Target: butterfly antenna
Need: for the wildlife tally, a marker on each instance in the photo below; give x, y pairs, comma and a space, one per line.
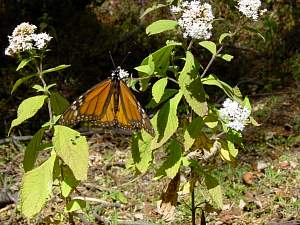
125, 58
112, 60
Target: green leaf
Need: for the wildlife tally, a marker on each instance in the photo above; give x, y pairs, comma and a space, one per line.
224, 35
60, 67
160, 60
255, 31
141, 151
147, 69
214, 189
165, 121
168, 93
192, 132
20, 81
210, 46
247, 103
27, 109
75, 204
55, 119
160, 26
58, 103
233, 93
171, 166
226, 57
158, 89
32, 150
152, 8
38, 88
23, 63
36, 187
232, 150
119, 196
72, 149
191, 86
69, 182
211, 121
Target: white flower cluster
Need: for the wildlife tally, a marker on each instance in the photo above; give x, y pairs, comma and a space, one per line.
234, 115
23, 39
120, 73
250, 8
195, 19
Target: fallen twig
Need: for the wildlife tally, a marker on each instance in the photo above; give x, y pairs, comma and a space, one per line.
100, 201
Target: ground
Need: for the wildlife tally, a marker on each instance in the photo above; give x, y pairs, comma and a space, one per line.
263, 188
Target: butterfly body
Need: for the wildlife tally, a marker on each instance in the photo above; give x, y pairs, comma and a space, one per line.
108, 104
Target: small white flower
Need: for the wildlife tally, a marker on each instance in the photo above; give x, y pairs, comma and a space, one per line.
234, 115
250, 8
195, 19
24, 29
120, 73
41, 40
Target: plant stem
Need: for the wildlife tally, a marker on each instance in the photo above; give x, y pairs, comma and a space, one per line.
211, 61
193, 206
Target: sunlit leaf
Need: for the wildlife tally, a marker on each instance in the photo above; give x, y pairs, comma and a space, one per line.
226, 57
223, 36
69, 182
210, 46
168, 93
192, 132
214, 189
158, 89
23, 63
57, 68
20, 81
58, 103
160, 26
75, 204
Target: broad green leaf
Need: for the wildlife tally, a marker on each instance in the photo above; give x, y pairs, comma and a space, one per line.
192, 132
60, 67
211, 121
225, 155
23, 63
119, 196
69, 182
36, 187
191, 86
141, 151
226, 57
27, 109
160, 60
171, 166
32, 150
38, 88
224, 35
168, 93
20, 81
147, 69
160, 26
75, 204
247, 103
58, 103
165, 121
152, 8
214, 189
158, 89
233, 93
210, 46
72, 149
232, 150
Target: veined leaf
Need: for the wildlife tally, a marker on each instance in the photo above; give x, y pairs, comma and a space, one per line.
23, 63
32, 150
58, 103
214, 189
171, 166
141, 151
165, 121
36, 187
191, 86
69, 182
60, 67
20, 81
210, 46
75, 204
72, 149
192, 132
160, 26
27, 109
158, 89
152, 8
168, 93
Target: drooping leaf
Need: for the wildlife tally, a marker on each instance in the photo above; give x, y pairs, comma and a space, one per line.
165, 121
32, 150
192, 132
255, 31
210, 46
72, 148
160, 26
58, 103
152, 8
226, 57
36, 187
158, 89
171, 166
141, 151
23, 63
75, 204
168, 93
27, 109
223, 36
57, 68
191, 86
20, 81
69, 182
214, 189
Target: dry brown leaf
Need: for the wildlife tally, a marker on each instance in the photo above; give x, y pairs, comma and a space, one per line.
248, 178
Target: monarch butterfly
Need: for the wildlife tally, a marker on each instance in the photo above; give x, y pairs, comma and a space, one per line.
109, 104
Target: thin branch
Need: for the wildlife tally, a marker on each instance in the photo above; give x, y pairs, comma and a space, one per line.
100, 201
211, 61
15, 138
